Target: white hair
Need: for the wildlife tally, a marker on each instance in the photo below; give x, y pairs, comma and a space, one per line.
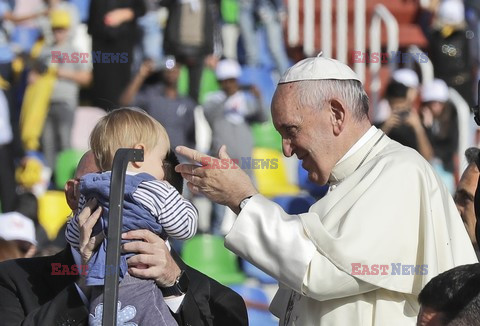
314, 93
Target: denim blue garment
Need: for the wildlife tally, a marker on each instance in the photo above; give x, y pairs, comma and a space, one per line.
135, 217
268, 16
152, 37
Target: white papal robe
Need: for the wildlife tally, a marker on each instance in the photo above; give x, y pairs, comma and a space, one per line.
386, 206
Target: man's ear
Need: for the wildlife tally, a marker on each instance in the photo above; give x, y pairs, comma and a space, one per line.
70, 193
138, 164
337, 116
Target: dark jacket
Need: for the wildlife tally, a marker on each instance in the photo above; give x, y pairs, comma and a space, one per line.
31, 295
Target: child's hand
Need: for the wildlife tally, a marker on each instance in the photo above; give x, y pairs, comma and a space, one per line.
87, 218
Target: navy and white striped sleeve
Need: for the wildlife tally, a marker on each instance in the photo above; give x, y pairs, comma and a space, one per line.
72, 231
177, 216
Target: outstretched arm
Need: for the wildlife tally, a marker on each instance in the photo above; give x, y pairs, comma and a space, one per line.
226, 186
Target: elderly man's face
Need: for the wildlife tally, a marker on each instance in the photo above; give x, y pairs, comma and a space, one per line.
464, 199
306, 132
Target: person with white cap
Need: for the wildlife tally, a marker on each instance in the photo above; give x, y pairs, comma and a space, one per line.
409, 78
19, 230
362, 253
440, 121
405, 76
404, 124
230, 112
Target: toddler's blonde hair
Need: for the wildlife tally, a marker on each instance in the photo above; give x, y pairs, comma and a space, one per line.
124, 128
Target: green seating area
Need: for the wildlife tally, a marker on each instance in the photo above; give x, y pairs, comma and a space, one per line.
65, 167
207, 253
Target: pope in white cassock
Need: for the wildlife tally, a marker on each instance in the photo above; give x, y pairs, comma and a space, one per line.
362, 253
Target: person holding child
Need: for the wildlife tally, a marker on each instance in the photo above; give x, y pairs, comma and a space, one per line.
150, 203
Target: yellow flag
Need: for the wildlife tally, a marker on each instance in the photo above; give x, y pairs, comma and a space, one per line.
35, 107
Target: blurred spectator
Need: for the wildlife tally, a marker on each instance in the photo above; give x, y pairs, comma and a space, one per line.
9, 250
53, 5
447, 295
10, 148
71, 75
113, 27
18, 229
28, 206
439, 118
404, 124
24, 15
152, 34
449, 48
407, 77
270, 14
82, 9
465, 194
230, 112
155, 91
6, 51
189, 36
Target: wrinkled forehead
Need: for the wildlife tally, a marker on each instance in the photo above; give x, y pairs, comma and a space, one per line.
285, 106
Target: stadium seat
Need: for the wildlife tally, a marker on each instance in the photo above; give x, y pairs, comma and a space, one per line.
295, 204
208, 83
265, 135
273, 182
312, 188
257, 304
262, 78
66, 165
256, 273
229, 11
53, 212
207, 253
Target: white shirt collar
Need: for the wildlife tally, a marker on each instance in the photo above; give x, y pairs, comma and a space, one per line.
362, 141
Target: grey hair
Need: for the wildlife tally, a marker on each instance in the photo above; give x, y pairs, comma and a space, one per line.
472, 156
314, 93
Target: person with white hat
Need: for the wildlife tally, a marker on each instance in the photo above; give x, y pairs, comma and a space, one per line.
362, 253
440, 121
404, 124
230, 113
19, 230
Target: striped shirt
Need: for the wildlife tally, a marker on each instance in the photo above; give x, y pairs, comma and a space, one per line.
176, 215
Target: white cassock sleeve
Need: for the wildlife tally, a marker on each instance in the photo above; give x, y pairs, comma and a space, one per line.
276, 243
